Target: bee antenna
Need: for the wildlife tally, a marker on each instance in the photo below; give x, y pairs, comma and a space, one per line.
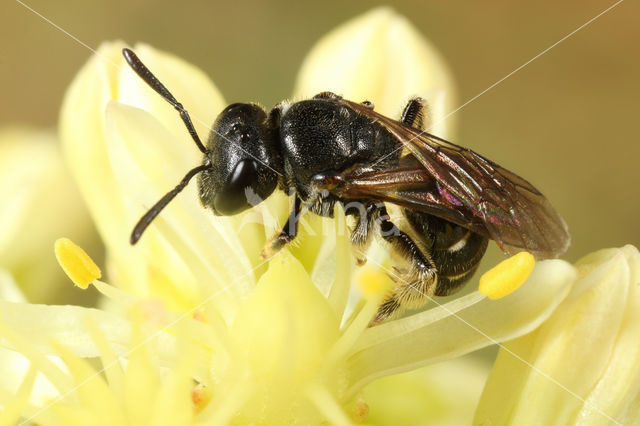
141, 69
148, 217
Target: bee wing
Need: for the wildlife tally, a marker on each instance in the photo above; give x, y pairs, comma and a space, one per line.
457, 184
407, 185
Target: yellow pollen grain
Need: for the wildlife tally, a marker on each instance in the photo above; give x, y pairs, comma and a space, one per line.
359, 410
372, 282
200, 396
506, 276
76, 263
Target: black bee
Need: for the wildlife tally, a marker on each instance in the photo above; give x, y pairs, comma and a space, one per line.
329, 150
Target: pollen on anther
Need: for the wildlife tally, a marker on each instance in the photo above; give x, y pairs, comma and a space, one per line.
200, 396
76, 263
373, 283
504, 278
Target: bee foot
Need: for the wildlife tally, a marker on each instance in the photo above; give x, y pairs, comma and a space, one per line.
272, 247
386, 310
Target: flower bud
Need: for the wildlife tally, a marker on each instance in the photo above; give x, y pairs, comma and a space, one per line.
382, 58
581, 366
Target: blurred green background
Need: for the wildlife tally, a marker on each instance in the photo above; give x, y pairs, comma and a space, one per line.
566, 122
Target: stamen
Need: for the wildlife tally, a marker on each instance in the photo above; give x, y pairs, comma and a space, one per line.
76, 263
506, 276
327, 404
374, 286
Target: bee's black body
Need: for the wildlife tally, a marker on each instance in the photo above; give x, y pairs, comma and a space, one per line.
328, 150
321, 137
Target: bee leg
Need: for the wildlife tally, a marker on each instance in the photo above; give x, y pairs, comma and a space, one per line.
288, 233
416, 114
415, 284
388, 308
365, 214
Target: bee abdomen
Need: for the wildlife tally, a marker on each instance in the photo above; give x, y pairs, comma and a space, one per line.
455, 251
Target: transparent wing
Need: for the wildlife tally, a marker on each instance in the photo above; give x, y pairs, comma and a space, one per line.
459, 185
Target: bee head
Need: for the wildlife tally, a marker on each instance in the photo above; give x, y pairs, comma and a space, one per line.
244, 160
241, 161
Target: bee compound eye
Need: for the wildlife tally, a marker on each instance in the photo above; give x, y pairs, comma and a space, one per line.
232, 199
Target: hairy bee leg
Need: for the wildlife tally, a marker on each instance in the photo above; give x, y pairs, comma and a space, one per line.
416, 114
288, 233
361, 234
415, 286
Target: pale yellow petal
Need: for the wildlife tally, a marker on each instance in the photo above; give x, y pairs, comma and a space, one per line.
11, 412
284, 294
14, 368
9, 290
282, 333
141, 379
92, 391
29, 352
380, 57
42, 324
460, 326
173, 405
208, 252
40, 202
39, 325
582, 366
125, 159
113, 369
82, 132
443, 394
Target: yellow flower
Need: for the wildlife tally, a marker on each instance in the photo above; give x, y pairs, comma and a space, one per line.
284, 358
36, 191
268, 344
59, 387
582, 366
443, 394
380, 57
126, 147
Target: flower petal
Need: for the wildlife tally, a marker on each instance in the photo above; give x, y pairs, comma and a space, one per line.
125, 159
441, 394
282, 335
11, 411
92, 390
34, 180
460, 326
207, 246
296, 310
42, 324
9, 290
382, 58
582, 365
